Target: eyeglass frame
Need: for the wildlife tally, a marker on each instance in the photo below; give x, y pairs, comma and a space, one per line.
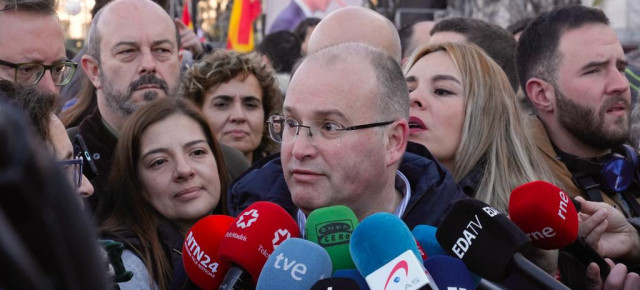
77, 175
15, 67
350, 128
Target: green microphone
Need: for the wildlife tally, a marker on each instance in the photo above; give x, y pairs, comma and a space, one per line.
331, 228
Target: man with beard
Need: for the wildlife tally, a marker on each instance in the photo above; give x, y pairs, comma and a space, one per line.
32, 49
132, 59
571, 67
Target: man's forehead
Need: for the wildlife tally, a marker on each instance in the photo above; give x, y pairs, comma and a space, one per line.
595, 40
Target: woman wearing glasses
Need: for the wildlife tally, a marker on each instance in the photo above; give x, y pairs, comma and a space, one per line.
237, 93
168, 173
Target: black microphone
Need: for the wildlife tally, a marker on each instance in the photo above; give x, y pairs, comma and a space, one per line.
489, 243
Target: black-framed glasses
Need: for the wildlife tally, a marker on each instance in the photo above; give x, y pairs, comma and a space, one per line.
73, 169
285, 129
31, 73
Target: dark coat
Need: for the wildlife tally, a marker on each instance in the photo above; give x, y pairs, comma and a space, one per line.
433, 189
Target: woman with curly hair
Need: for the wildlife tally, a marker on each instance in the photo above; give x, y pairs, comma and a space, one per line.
237, 93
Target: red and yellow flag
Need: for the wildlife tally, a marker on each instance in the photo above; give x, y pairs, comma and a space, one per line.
240, 34
186, 16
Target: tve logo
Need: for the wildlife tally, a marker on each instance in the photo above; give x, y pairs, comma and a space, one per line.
247, 218
403, 272
297, 269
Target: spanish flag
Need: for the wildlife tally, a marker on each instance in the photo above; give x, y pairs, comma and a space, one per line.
186, 16
240, 34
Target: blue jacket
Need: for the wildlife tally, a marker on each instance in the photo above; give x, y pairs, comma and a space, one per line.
433, 189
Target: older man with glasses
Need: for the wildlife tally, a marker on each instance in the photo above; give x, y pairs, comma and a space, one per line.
344, 131
32, 48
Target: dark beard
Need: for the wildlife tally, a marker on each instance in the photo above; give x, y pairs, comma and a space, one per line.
588, 127
119, 101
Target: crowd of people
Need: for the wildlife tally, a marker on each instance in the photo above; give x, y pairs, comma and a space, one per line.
348, 110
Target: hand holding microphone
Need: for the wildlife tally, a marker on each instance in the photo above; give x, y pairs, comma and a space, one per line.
547, 215
251, 239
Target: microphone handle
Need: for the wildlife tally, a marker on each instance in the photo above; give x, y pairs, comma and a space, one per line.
536, 274
237, 279
586, 254
485, 284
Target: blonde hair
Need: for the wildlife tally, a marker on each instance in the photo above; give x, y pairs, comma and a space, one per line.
492, 131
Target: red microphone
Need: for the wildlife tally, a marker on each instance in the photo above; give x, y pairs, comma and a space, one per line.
545, 213
200, 251
253, 236
548, 216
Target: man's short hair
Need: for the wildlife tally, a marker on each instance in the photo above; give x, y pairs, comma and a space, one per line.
283, 48
392, 92
48, 7
496, 41
519, 26
94, 37
301, 29
538, 55
37, 105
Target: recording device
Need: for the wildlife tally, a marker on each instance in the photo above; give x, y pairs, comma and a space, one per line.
295, 264
426, 237
386, 254
449, 273
354, 275
488, 243
200, 251
547, 215
251, 238
332, 227
336, 284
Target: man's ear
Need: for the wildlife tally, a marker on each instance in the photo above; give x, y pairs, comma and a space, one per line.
542, 94
396, 142
91, 68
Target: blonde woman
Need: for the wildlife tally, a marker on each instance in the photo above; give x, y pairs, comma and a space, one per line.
464, 110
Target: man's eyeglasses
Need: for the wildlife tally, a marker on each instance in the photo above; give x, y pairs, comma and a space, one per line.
73, 169
285, 129
31, 73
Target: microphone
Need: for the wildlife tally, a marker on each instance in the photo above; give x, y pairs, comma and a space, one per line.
386, 254
488, 243
295, 264
335, 284
449, 273
426, 237
331, 228
354, 275
555, 224
200, 251
251, 238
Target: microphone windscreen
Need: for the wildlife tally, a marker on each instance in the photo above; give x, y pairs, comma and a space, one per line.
386, 254
354, 275
380, 238
483, 238
449, 273
545, 213
335, 284
331, 228
200, 251
254, 234
295, 264
426, 237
